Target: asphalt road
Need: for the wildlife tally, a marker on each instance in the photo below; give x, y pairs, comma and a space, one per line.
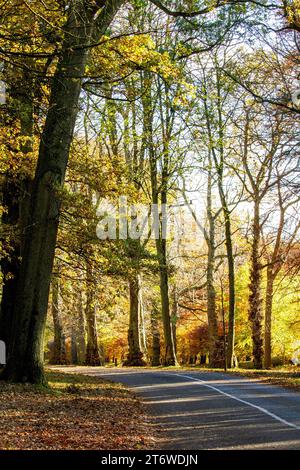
207, 410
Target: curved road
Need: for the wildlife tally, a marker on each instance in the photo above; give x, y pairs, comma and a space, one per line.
210, 410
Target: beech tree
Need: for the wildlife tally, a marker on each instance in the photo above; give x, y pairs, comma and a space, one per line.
215, 96
262, 151
85, 24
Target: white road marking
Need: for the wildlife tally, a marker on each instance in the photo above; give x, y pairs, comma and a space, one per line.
260, 408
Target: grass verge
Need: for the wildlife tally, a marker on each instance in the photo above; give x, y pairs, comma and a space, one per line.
288, 376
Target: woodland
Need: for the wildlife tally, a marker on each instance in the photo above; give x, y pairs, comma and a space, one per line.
178, 116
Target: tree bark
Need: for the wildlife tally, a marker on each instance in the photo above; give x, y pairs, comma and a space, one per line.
142, 326
268, 319
15, 200
137, 343
155, 353
272, 272
174, 318
219, 165
228, 236
231, 287
74, 346
92, 357
30, 307
80, 329
216, 358
255, 301
169, 357
231, 309
135, 354
10, 263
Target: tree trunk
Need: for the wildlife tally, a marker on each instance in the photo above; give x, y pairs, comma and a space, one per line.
228, 236
272, 272
30, 306
255, 301
231, 282
268, 319
93, 357
142, 326
216, 358
15, 200
135, 355
219, 165
174, 318
80, 329
155, 353
10, 263
74, 347
59, 346
169, 357
231, 275
215, 350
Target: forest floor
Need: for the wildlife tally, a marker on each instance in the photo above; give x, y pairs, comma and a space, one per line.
75, 412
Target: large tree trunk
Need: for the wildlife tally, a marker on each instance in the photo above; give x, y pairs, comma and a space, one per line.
255, 301
135, 354
30, 306
10, 263
15, 200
